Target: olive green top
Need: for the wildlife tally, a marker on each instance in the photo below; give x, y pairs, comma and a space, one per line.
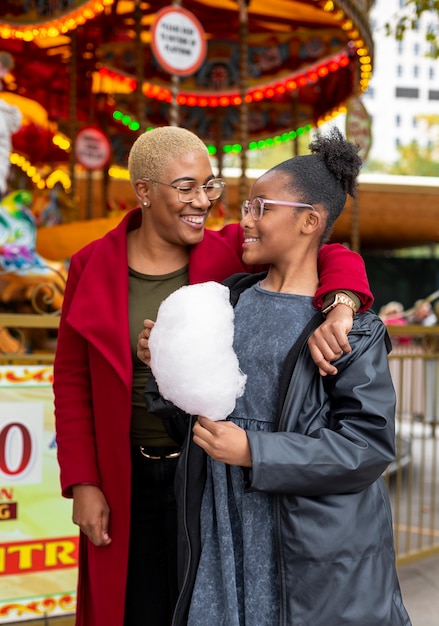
145, 296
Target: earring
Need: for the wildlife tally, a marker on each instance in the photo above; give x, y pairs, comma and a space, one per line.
146, 203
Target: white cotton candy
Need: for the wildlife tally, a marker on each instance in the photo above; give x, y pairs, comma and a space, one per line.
192, 355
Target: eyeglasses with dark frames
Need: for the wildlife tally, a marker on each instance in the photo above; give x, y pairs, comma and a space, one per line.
257, 206
188, 191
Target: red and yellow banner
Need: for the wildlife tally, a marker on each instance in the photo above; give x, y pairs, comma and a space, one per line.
38, 541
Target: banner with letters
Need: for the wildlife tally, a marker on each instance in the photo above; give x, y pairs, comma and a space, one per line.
38, 541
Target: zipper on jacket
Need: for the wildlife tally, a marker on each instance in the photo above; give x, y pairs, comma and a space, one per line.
278, 534
186, 533
280, 568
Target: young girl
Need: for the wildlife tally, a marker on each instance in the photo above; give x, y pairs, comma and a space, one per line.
287, 521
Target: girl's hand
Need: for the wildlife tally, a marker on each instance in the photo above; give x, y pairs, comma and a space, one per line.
223, 441
330, 340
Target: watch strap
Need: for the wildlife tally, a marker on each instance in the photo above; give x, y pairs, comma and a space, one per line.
340, 298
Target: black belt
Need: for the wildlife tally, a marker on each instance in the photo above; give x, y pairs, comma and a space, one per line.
159, 454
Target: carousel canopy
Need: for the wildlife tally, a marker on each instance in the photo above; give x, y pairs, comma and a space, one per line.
289, 63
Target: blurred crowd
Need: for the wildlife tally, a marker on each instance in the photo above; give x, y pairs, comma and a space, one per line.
423, 313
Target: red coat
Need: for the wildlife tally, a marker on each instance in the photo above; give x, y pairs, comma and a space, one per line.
92, 386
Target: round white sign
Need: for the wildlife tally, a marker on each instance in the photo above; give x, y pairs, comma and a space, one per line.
92, 148
178, 41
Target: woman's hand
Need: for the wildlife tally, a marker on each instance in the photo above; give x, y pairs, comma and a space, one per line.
330, 340
223, 441
91, 513
143, 353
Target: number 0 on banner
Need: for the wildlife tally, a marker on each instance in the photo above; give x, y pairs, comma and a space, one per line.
178, 41
21, 443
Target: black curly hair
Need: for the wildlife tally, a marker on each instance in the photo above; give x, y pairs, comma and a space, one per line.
326, 175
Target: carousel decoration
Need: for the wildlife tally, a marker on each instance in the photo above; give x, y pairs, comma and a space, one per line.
24, 274
289, 64
28, 282
268, 72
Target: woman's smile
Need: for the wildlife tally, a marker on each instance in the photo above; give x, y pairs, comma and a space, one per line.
249, 240
194, 221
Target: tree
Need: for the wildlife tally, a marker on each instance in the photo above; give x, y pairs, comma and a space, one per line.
409, 18
414, 159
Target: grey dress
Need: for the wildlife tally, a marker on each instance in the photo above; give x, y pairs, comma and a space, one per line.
237, 579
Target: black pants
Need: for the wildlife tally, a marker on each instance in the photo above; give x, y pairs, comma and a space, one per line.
151, 590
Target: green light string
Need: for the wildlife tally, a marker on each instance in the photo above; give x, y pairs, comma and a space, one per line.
133, 125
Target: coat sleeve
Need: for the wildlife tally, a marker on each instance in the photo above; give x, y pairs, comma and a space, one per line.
75, 440
343, 426
341, 269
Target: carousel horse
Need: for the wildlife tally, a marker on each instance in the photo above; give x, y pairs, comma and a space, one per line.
25, 276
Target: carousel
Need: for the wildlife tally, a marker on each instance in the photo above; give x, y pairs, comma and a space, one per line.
87, 76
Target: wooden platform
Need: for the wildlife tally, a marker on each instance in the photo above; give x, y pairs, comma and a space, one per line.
393, 212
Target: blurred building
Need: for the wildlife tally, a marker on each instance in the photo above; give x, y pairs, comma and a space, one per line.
404, 85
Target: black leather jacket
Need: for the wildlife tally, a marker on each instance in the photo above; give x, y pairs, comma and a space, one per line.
323, 465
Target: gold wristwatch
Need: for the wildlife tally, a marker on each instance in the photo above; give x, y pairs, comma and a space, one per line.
340, 298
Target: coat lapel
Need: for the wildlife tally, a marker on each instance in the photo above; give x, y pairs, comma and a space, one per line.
99, 310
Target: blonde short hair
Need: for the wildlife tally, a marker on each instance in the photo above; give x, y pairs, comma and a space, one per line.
156, 149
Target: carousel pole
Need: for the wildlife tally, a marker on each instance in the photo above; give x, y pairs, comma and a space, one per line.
295, 116
219, 148
140, 67
175, 86
243, 109
90, 197
72, 107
